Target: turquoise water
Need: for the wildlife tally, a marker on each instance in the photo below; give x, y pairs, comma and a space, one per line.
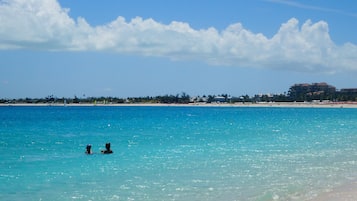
175, 153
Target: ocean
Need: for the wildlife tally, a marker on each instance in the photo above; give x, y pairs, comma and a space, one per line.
175, 153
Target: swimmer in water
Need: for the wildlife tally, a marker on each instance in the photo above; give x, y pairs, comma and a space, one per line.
107, 149
89, 149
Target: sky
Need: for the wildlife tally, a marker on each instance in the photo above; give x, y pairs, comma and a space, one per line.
126, 48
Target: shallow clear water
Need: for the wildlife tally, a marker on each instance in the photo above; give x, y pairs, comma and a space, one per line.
175, 153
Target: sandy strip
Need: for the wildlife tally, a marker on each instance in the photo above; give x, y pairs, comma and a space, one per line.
284, 104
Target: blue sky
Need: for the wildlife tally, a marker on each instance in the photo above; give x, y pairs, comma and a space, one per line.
129, 48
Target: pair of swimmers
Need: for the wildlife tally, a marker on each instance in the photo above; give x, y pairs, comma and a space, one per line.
106, 151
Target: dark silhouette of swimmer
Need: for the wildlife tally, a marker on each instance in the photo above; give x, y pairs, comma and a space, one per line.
89, 149
107, 149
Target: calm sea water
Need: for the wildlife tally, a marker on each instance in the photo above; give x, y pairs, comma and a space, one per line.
175, 153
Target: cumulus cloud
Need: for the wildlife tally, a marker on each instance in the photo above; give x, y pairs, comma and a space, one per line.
45, 25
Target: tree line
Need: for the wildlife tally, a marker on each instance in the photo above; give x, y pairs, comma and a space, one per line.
296, 93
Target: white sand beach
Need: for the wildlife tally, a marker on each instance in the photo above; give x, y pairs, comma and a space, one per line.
258, 104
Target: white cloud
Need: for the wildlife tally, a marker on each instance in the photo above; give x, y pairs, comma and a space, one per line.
34, 24
44, 24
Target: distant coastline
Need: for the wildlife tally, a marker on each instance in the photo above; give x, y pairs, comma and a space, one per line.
257, 104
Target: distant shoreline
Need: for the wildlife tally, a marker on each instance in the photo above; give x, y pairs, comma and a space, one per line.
259, 104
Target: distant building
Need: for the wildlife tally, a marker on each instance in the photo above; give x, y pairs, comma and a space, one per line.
349, 94
350, 90
314, 91
221, 99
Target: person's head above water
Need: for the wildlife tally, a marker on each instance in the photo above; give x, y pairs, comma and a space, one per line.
107, 146
89, 149
108, 150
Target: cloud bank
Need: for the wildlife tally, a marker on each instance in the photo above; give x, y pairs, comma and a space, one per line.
45, 25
